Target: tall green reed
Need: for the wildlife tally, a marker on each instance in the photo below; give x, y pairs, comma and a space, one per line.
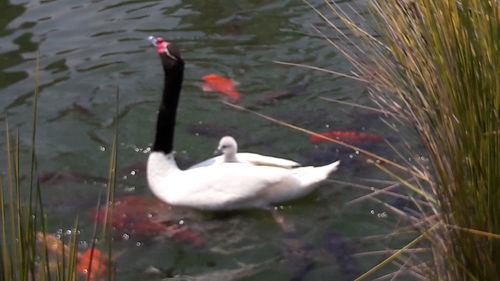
27, 250
435, 65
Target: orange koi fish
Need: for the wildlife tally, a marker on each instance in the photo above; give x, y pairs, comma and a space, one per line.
216, 83
93, 261
55, 249
350, 137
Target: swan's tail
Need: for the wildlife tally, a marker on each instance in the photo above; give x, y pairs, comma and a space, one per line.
310, 176
330, 168
301, 182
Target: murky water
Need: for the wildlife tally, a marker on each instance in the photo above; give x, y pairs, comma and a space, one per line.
90, 50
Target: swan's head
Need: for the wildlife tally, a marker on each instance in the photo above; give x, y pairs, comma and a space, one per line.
170, 56
227, 146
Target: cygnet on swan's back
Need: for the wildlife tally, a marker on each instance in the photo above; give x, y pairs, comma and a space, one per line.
229, 149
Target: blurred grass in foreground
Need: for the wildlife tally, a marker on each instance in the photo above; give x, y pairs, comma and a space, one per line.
27, 250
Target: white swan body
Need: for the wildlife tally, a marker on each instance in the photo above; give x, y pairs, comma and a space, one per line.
225, 186
229, 186
229, 147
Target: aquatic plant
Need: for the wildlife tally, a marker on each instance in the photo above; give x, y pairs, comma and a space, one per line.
27, 250
434, 64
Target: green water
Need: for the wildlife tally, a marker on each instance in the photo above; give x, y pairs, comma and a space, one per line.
90, 50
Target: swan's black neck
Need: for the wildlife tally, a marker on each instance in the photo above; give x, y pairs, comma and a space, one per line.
165, 126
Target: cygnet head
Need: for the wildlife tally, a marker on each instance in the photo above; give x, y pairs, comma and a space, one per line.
229, 147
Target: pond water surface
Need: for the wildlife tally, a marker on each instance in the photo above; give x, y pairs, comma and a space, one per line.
90, 50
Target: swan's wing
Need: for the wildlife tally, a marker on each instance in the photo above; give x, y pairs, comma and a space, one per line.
250, 158
262, 160
211, 161
225, 186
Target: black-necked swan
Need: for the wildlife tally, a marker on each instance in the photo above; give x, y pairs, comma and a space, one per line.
216, 187
229, 149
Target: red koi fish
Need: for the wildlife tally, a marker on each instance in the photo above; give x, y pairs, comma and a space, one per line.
93, 261
350, 137
133, 215
216, 83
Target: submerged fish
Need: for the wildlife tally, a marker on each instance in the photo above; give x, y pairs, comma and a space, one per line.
282, 94
92, 262
57, 252
340, 247
212, 130
216, 83
144, 217
350, 137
